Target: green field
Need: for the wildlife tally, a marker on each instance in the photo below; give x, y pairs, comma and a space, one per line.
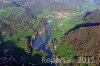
44, 14
65, 51
67, 25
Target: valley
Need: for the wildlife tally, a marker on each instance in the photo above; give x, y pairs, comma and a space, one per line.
30, 30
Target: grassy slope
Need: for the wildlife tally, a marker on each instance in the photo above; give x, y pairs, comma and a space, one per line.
19, 39
57, 32
67, 25
66, 50
45, 14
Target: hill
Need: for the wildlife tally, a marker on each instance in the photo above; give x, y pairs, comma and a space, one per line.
86, 41
93, 16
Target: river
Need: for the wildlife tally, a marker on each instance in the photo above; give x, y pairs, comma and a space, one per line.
42, 45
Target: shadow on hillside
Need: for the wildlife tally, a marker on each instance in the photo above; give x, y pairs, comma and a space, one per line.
87, 13
19, 55
82, 25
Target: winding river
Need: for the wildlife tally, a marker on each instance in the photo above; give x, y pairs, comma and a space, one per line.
42, 45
